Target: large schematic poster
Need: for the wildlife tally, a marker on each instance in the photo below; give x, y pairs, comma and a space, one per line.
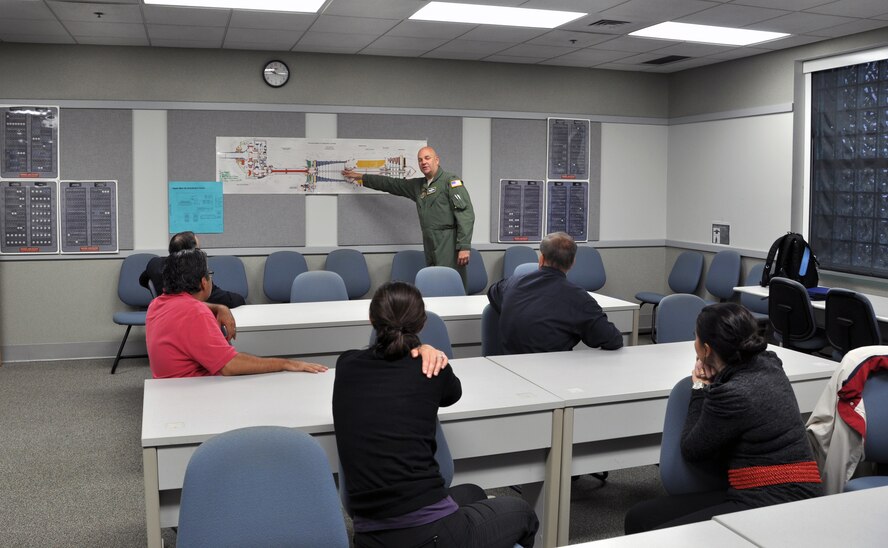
275, 165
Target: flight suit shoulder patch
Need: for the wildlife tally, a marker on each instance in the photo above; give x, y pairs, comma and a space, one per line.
455, 183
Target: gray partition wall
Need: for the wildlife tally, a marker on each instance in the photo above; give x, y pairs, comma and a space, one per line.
97, 144
251, 220
384, 219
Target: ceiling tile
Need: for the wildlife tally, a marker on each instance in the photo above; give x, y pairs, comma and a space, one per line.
632, 43
37, 38
853, 8
583, 6
570, 39
186, 33
791, 5
691, 49
538, 52
180, 43
114, 13
112, 41
461, 55
273, 21
346, 25
732, 15
380, 9
261, 46
492, 33
585, 24
26, 9
352, 42
406, 44
111, 30
801, 22
587, 58
429, 29
474, 48
656, 10
790, 42
288, 37
334, 48
165, 15
853, 27
32, 27
738, 53
622, 66
508, 59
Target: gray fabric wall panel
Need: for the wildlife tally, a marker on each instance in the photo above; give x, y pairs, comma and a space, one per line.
98, 145
251, 220
384, 219
517, 151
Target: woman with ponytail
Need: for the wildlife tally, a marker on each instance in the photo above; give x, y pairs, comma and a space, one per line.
743, 415
384, 413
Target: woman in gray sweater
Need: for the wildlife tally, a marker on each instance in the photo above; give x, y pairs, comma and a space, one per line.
743, 415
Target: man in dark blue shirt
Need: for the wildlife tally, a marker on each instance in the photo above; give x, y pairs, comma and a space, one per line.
543, 312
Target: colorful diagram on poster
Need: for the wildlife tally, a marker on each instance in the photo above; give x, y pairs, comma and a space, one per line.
196, 206
275, 165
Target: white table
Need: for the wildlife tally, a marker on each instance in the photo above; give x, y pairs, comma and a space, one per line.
705, 534
615, 401
503, 431
880, 304
847, 519
322, 331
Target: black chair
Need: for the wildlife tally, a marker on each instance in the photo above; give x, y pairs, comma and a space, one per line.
850, 321
792, 317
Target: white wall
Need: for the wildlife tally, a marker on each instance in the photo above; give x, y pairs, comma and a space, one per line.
633, 182
738, 171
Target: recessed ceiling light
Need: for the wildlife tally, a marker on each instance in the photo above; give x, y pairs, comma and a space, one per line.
707, 34
494, 15
302, 6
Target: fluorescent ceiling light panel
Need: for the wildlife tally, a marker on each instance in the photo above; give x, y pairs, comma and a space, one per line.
494, 15
301, 6
686, 32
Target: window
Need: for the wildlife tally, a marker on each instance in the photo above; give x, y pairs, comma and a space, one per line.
849, 168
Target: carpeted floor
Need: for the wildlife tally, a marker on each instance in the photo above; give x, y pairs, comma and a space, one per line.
71, 461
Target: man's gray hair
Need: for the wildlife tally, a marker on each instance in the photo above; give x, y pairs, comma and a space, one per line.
559, 250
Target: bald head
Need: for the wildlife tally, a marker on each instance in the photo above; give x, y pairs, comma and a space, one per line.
558, 250
428, 161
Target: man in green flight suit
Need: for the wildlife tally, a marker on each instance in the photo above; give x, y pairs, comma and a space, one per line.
442, 202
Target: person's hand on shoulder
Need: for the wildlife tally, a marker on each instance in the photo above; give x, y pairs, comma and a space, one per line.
433, 360
307, 367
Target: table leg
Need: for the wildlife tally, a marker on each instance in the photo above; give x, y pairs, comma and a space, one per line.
566, 469
152, 497
633, 337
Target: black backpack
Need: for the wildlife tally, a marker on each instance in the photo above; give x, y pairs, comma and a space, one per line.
791, 257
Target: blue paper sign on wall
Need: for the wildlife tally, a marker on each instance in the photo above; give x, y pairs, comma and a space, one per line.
196, 206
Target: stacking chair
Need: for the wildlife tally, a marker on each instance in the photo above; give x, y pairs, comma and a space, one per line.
515, 255
723, 275
281, 268
229, 274
352, 267
134, 295
406, 264
442, 456
434, 332
756, 305
525, 268
588, 269
318, 286
677, 317
477, 273
260, 486
850, 321
490, 334
684, 278
678, 476
439, 281
792, 317
875, 447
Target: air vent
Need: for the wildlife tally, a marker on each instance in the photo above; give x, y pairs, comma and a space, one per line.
666, 60
608, 23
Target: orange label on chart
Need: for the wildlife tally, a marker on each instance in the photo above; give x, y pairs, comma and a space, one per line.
29, 250
89, 248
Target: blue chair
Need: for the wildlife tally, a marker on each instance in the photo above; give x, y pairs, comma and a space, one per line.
875, 447
490, 334
281, 268
684, 278
525, 268
229, 274
442, 456
677, 317
439, 281
352, 267
260, 486
792, 317
434, 332
723, 275
588, 269
850, 321
756, 305
132, 294
318, 286
406, 264
477, 273
515, 255
678, 476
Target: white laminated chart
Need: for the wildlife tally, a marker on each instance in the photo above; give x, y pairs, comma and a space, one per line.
567, 204
568, 149
275, 165
29, 219
88, 216
29, 142
520, 210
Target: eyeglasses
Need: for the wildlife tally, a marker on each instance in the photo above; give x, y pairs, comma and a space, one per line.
210, 274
